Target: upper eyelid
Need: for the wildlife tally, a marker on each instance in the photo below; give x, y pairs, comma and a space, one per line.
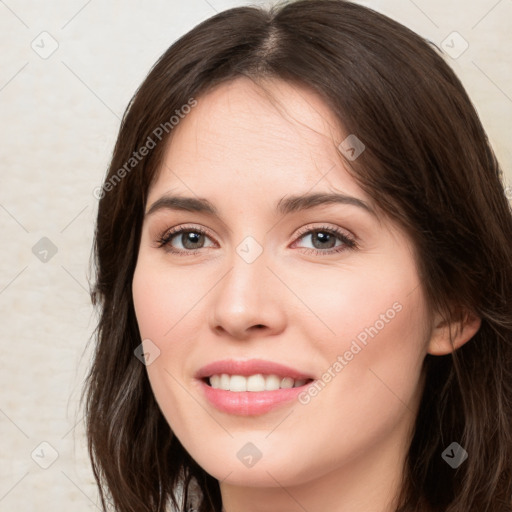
337, 229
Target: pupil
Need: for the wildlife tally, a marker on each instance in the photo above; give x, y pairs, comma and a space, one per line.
189, 237
324, 237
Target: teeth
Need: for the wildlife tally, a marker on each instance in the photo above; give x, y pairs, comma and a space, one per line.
215, 381
254, 383
272, 382
287, 382
224, 381
238, 383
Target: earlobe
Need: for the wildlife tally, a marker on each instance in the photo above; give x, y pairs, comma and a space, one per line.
461, 332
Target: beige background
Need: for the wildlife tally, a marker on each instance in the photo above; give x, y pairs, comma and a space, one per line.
60, 117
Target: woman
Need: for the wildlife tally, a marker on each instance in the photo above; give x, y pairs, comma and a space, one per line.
303, 274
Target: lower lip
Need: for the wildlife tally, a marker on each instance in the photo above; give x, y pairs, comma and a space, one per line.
250, 403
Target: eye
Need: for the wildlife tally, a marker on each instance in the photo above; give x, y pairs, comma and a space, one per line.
324, 240
191, 239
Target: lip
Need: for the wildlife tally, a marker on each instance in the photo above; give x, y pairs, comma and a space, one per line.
250, 367
250, 403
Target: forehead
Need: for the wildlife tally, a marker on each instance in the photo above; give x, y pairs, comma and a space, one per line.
276, 140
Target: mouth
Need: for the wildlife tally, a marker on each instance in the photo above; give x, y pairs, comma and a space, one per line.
249, 388
253, 383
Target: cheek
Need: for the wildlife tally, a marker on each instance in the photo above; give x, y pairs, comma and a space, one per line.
162, 298
147, 298
375, 357
377, 332
355, 302
371, 383
164, 309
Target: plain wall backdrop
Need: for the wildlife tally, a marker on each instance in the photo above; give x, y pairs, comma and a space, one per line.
67, 72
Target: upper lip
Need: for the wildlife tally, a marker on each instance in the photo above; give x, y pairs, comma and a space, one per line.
249, 367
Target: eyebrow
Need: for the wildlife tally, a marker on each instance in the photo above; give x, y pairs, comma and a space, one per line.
285, 205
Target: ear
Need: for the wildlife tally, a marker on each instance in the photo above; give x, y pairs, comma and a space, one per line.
461, 332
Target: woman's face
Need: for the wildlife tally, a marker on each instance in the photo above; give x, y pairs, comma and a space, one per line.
268, 289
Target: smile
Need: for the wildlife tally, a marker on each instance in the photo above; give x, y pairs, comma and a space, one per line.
254, 383
251, 387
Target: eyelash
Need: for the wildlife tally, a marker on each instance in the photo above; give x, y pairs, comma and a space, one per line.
348, 242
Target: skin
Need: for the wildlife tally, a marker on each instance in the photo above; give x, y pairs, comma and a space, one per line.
342, 451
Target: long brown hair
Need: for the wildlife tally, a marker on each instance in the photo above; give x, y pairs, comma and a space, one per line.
427, 164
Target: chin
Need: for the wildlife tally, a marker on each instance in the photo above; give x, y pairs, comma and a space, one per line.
241, 463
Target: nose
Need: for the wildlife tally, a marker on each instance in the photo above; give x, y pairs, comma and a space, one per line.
248, 301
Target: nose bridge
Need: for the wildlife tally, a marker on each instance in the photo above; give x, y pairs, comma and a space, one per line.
245, 296
241, 289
